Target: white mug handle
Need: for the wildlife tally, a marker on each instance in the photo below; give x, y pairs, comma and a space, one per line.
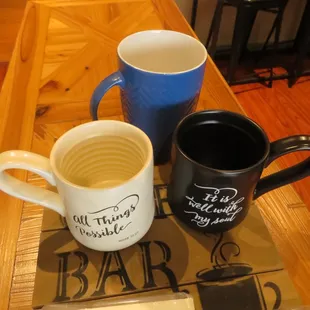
34, 163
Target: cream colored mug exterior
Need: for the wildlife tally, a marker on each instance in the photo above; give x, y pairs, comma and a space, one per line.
104, 219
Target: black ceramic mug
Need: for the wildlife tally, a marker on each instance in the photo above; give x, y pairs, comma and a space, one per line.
218, 158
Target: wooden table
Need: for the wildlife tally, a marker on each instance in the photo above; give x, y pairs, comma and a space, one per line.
64, 48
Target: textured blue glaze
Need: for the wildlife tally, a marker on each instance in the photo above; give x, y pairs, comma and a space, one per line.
154, 102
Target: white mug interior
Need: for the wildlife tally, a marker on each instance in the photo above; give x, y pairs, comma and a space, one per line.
162, 52
101, 154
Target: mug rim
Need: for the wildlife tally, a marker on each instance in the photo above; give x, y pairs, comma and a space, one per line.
77, 129
238, 115
156, 72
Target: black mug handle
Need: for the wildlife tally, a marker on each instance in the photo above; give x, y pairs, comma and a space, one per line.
289, 175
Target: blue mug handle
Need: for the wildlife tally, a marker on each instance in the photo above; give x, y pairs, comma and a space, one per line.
115, 79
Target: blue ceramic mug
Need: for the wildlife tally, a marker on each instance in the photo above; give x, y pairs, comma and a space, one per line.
160, 76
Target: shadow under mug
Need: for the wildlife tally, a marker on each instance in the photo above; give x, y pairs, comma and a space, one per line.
160, 76
218, 158
103, 172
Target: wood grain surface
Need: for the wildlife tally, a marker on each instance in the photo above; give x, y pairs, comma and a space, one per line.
11, 14
64, 48
282, 112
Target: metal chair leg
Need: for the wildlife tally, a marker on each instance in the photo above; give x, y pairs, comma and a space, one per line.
277, 21
269, 35
248, 26
300, 58
302, 44
278, 25
237, 42
194, 13
215, 28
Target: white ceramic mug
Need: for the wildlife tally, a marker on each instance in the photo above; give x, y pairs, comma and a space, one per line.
103, 172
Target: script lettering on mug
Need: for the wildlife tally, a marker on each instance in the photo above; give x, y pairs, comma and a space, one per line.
108, 221
221, 201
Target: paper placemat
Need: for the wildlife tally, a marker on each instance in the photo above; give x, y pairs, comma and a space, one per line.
239, 269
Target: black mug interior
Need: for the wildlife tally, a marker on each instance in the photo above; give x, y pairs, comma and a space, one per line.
222, 140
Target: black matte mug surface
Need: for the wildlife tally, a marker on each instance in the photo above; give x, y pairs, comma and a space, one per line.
218, 158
